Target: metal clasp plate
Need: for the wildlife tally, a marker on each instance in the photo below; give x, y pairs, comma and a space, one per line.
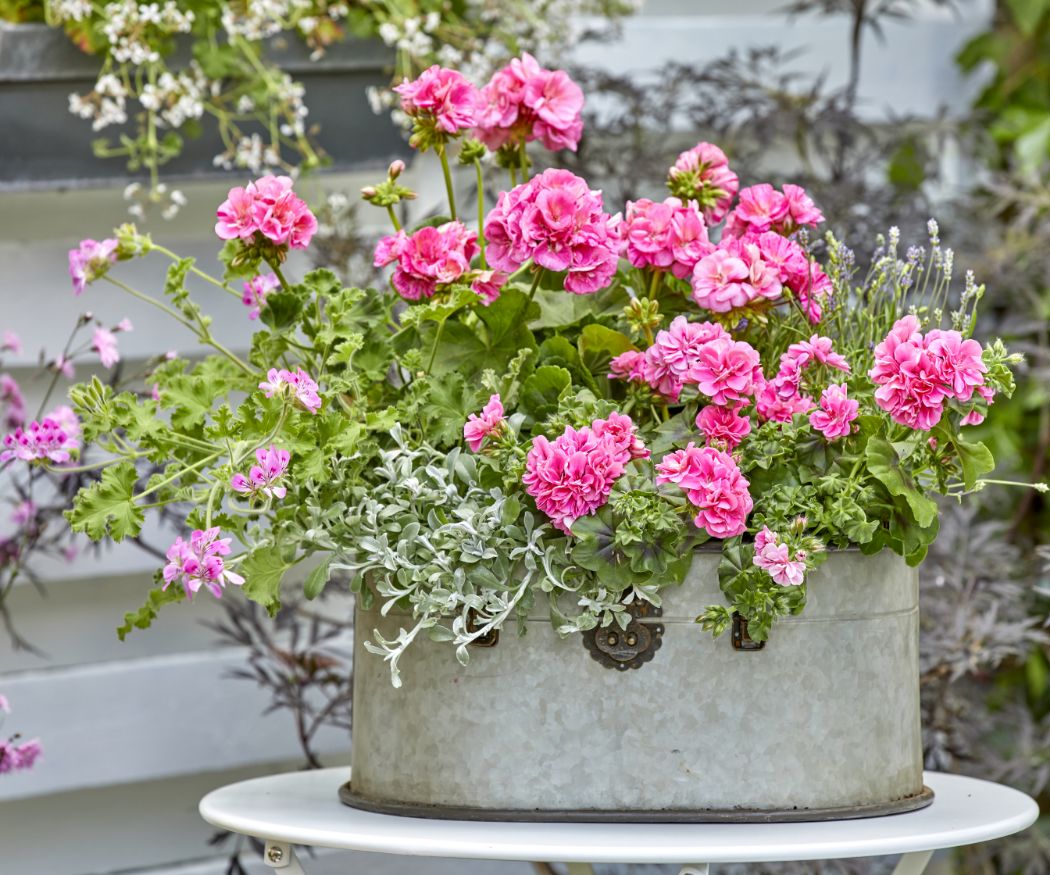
741, 640
624, 649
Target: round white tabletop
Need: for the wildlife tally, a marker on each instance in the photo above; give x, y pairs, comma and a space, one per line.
303, 808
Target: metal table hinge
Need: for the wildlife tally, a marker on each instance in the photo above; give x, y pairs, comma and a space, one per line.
741, 640
489, 639
624, 649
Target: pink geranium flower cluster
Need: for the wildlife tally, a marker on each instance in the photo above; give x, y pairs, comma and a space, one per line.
525, 102
701, 354
267, 207
53, 439
488, 423
714, 486
299, 384
836, 413
440, 97
256, 290
723, 426
558, 222
198, 562
702, 174
433, 258
775, 559
665, 236
89, 261
817, 351
264, 479
104, 342
755, 269
19, 755
13, 401
918, 374
573, 475
762, 208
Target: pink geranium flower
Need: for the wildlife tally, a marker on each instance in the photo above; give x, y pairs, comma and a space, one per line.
105, 344
264, 479
198, 562
488, 423
671, 362
524, 102
13, 401
256, 290
90, 260
770, 406
734, 276
440, 97
775, 559
429, 259
802, 356
45, 440
723, 425
558, 222
917, 375
572, 476
10, 342
762, 208
16, 756
628, 366
488, 284
714, 486
297, 383
267, 207
728, 371
667, 236
836, 413
702, 174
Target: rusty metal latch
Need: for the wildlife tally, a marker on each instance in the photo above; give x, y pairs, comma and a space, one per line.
624, 649
741, 640
489, 639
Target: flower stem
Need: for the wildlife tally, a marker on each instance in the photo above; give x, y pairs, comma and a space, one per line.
481, 213
393, 217
535, 284
448, 180
207, 277
437, 340
183, 472
276, 268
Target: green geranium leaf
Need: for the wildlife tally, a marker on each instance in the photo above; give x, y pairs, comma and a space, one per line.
885, 466
600, 345
263, 571
542, 390
108, 506
143, 618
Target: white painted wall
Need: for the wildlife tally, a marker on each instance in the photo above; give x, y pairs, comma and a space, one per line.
135, 733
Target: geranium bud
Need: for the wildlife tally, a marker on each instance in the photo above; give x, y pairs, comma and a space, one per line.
396, 168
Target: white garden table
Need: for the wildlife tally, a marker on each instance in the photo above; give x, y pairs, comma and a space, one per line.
301, 808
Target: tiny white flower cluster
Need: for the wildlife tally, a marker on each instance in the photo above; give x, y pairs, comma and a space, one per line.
129, 26
411, 35
70, 10
290, 93
170, 201
106, 105
177, 97
250, 153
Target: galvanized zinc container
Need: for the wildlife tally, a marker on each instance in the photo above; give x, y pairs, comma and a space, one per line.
823, 722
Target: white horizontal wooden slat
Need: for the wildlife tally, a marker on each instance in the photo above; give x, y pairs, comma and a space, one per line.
146, 719
911, 70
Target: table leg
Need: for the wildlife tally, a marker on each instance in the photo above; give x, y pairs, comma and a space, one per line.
914, 863
580, 869
279, 855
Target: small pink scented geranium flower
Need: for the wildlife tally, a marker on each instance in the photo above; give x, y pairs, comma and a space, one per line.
41, 441
297, 383
198, 562
105, 344
91, 260
10, 342
264, 479
488, 423
256, 290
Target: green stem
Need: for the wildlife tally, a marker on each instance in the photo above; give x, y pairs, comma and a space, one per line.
135, 293
182, 473
54, 377
535, 284
94, 466
276, 268
654, 286
513, 177
393, 217
446, 170
481, 213
437, 340
523, 159
207, 277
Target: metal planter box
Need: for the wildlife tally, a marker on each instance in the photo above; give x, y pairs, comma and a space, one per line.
43, 145
823, 722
